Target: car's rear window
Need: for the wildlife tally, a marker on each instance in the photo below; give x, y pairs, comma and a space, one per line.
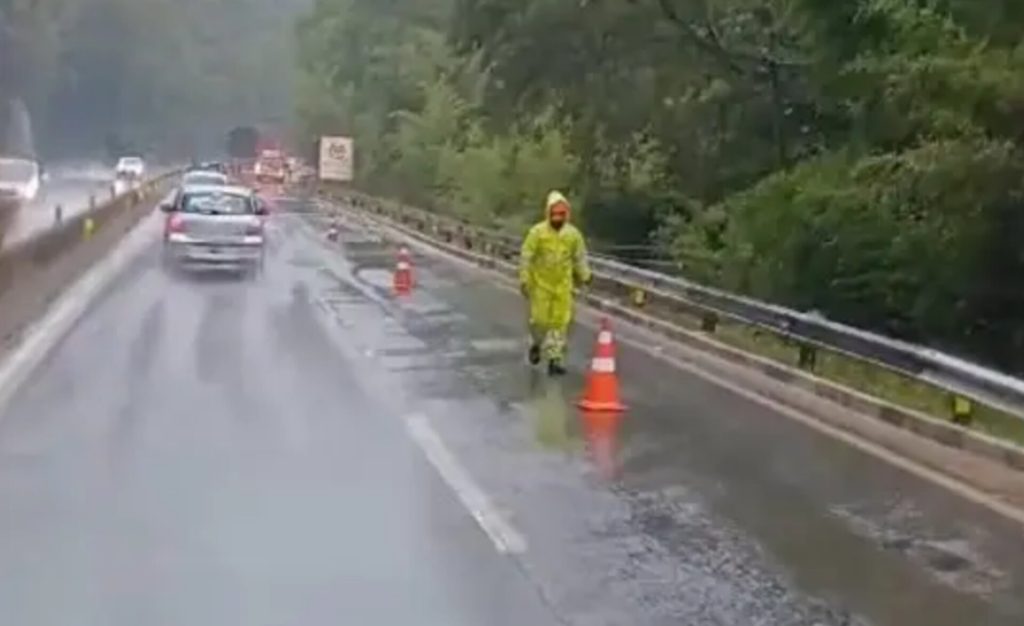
217, 203
205, 178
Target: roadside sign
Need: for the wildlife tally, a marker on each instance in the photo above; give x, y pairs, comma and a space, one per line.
336, 159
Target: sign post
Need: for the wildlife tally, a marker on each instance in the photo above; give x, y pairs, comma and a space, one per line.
336, 159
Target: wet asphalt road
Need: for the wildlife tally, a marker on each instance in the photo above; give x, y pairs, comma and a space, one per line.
69, 187
208, 451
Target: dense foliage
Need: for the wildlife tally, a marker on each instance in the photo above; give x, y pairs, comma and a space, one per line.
860, 158
173, 75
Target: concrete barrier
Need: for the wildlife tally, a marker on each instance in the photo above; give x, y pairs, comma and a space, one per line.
35, 271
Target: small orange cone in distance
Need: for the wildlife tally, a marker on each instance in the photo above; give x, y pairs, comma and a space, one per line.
406, 256
602, 393
403, 273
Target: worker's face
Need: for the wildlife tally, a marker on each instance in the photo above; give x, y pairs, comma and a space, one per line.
559, 216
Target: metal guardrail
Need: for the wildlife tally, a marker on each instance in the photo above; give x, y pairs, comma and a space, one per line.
810, 331
956, 375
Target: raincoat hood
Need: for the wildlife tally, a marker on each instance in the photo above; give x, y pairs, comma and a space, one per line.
555, 198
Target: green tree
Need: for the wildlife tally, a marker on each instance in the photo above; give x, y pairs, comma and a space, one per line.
859, 158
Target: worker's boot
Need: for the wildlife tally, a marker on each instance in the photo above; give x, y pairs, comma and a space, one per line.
533, 356
555, 368
556, 352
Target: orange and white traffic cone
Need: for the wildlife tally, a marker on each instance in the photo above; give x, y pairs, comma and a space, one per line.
403, 273
405, 256
602, 393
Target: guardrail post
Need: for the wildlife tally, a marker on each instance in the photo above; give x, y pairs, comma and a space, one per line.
962, 409
808, 357
92, 201
709, 322
58, 214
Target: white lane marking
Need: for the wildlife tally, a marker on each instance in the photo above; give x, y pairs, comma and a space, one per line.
44, 336
506, 539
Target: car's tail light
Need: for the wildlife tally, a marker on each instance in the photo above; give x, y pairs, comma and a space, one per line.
175, 224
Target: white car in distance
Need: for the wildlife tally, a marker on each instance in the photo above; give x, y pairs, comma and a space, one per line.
20, 181
130, 166
128, 174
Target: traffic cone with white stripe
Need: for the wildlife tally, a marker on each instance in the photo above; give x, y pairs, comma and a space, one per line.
602, 392
403, 273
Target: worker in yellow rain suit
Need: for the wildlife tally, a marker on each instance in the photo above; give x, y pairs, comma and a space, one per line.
552, 262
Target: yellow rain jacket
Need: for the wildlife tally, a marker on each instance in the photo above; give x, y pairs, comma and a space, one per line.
550, 263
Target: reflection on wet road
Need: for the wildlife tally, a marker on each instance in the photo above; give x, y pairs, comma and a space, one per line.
207, 451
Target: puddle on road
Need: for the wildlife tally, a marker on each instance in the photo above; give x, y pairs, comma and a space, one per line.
953, 561
720, 558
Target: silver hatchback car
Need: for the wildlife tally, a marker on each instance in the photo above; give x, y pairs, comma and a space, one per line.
215, 227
